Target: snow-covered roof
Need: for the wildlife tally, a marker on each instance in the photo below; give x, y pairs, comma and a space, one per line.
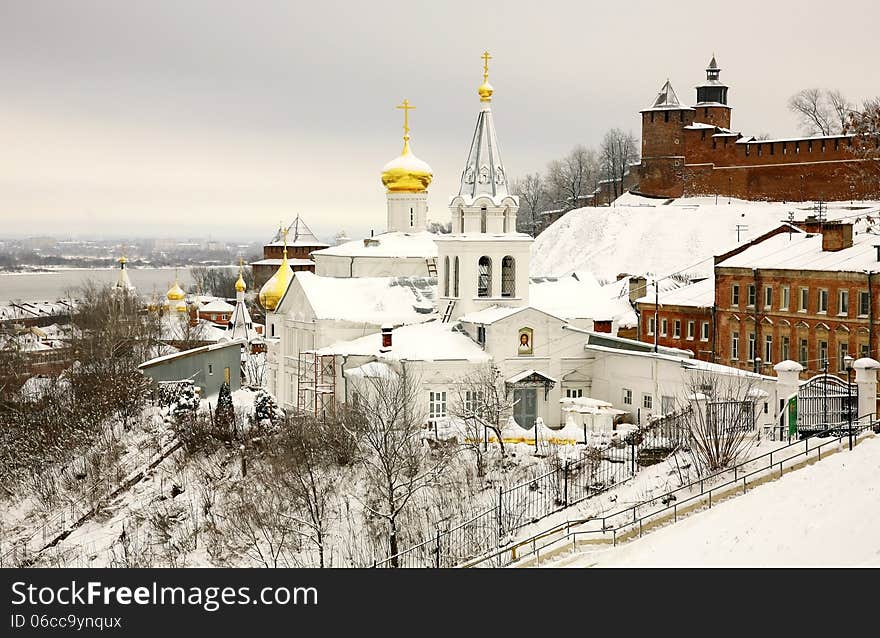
376, 300
525, 374
667, 100
803, 251
588, 405
298, 234
277, 262
575, 296
655, 236
697, 295
217, 305
192, 351
372, 370
490, 315
431, 341
696, 126
393, 244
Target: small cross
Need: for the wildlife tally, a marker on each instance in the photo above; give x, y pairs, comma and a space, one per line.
486, 57
406, 109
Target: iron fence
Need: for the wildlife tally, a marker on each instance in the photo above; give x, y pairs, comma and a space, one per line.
569, 481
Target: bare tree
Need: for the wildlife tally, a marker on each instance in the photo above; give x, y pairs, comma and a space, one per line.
482, 402
219, 281
821, 112
397, 462
618, 151
574, 176
719, 418
864, 123
532, 195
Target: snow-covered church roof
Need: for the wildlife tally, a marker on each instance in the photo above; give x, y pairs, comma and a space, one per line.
393, 244
374, 300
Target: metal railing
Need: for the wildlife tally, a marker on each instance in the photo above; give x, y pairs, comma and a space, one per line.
627, 520
526, 503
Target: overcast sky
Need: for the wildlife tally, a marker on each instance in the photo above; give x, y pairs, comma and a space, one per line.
181, 118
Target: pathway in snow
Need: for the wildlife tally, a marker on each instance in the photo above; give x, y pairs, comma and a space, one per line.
825, 514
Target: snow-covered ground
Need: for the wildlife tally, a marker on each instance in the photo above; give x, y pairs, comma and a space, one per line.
825, 514
639, 235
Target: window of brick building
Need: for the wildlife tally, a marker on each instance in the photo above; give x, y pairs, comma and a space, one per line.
843, 302
823, 301
823, 353
691, 327
734, 295
752, 295
768, 348
864, 350
734, 346
664, 324
704, 331
804, 353
805, 300
676, 329
751, 346
797, 147
785, 297
650, 325
864, 303
768, 297
783, 354
842, 351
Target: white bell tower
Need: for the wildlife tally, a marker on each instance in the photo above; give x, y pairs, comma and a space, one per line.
484, 261
407, 179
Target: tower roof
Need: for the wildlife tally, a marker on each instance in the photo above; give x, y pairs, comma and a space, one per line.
666, 100
299, 234
713, 65
483, 172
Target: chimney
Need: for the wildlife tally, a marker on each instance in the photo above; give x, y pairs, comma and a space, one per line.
386, 338
638, 287
836, 236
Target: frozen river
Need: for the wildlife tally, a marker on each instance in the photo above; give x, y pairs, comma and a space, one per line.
51, 286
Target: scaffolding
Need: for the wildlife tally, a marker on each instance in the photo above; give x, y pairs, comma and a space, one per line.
316, 383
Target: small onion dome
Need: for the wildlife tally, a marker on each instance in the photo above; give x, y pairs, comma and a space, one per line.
175, 293
406, 173
274, 289
239, 285
485, 91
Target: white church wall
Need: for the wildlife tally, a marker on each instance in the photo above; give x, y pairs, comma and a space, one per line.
362, 266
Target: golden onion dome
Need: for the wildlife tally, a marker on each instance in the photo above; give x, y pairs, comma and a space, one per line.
485, 92
175, 293
407, 173
240, 285
274, 289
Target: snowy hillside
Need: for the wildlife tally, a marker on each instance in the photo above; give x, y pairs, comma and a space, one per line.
825, 514
641, 235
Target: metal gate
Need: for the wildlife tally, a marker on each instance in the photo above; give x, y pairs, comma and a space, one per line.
825, 403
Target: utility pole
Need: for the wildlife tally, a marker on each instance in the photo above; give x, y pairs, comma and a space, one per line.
656, 311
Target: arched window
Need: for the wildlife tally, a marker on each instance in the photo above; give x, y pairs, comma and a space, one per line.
446, 276
455, 278
508, 277
460, 220
484, 277
483, 219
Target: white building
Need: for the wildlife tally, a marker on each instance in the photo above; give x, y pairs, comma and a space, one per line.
379, 306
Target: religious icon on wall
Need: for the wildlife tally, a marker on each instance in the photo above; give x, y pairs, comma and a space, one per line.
525, 341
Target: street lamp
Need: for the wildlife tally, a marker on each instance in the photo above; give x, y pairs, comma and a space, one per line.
848, 363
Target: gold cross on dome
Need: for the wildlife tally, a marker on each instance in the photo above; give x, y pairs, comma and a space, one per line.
486, 57
406, 109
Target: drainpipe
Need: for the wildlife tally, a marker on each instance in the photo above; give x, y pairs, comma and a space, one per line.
714, 329
351, 266
871, 349
758, 301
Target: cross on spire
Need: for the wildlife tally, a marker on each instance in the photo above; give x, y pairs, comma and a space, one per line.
284, 231
486, 57
407, 107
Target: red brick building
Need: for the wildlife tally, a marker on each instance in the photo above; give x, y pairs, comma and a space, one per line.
692, 151
301, 242
681, 318
803, 296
